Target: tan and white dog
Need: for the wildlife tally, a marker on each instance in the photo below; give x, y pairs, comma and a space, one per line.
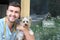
25, 22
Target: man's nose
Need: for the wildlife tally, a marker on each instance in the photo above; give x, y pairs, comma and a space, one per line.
13, 13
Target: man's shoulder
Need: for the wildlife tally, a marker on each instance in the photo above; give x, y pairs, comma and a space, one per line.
1, 24
1, 20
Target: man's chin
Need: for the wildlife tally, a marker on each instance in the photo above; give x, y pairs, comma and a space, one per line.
12, 21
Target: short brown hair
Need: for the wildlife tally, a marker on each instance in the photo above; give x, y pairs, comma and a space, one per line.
15, 4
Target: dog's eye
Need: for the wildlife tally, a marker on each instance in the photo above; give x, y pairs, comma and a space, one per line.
23, 21
27, 21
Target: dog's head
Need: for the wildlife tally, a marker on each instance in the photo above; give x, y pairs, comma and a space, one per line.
26, 21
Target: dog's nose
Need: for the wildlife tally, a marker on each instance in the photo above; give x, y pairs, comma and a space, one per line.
26, 25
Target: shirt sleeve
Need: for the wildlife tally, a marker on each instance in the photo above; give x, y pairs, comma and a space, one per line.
0, 36
1, 31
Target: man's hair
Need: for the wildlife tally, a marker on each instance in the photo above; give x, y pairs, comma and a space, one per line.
15, 4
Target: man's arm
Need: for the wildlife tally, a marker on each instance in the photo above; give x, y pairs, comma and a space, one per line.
1, 29
28, 36
0, 36
1, 32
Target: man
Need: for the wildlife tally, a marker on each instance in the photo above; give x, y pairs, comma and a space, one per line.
7, 23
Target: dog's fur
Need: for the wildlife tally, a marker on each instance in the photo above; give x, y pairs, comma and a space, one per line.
25, 21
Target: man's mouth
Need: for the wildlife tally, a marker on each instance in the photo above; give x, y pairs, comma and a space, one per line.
13, 17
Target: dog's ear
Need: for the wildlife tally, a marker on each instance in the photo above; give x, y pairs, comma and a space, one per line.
30, 19
17, 21
21, 18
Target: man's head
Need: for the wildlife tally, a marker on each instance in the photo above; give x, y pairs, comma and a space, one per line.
13, 11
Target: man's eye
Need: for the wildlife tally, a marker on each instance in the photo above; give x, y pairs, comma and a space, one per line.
16, 12
11, 10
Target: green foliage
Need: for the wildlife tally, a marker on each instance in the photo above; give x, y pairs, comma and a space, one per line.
45, 33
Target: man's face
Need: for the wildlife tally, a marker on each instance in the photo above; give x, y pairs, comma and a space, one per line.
13, 13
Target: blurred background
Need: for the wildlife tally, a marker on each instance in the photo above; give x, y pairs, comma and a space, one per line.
46, 19
45, 16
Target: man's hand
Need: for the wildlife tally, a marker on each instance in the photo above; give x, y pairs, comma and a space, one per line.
25, 30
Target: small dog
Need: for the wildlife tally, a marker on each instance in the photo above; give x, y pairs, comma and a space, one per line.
25, 22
